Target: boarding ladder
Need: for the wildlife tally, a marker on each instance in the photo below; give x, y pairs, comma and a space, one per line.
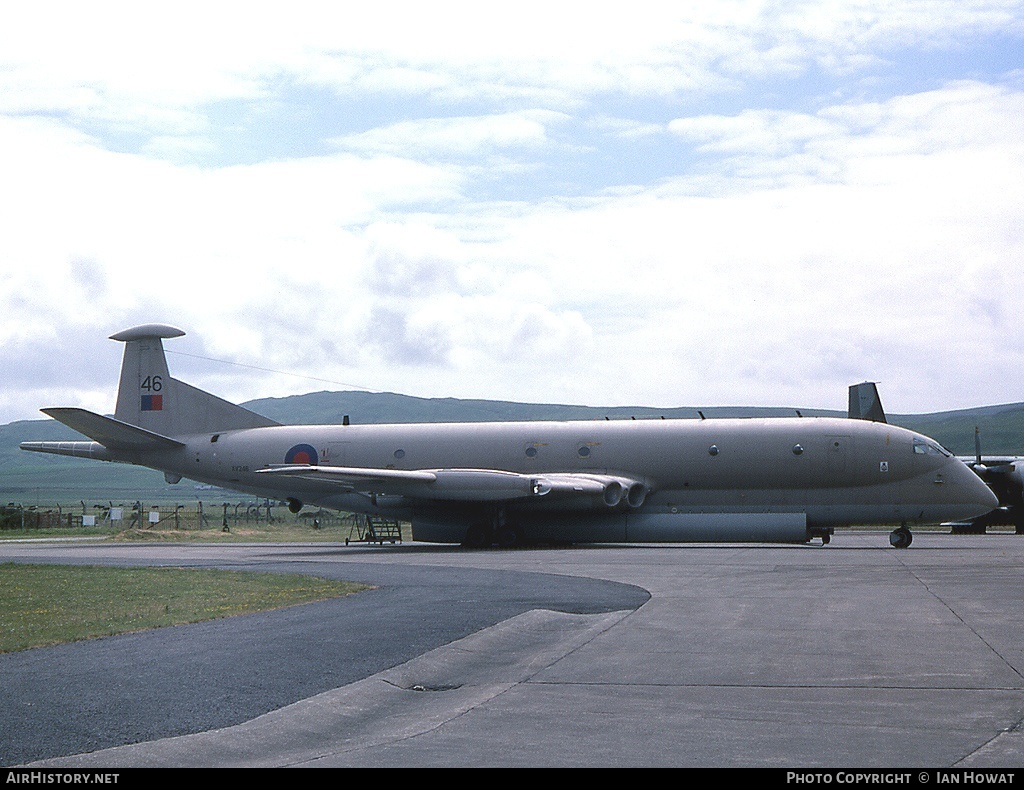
374, 529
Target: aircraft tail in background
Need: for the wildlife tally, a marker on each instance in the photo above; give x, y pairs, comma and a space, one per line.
865, 403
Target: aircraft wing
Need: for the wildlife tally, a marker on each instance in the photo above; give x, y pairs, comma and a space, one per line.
992, 463
469, 485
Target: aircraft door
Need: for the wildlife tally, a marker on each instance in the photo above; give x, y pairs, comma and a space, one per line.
837, 451
213, 456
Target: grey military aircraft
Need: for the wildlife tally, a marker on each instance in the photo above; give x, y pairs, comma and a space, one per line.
1004, 474
780, 480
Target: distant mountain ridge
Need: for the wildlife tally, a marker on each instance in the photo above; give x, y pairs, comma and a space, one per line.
1002, 426
31, 476
327, 408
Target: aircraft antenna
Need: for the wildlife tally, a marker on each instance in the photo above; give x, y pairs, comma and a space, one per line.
272, 370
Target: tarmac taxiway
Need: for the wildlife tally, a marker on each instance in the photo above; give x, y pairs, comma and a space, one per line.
852, 654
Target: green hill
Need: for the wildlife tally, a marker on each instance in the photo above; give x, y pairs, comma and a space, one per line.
1001, 427
39, 479
35, 478
326, 408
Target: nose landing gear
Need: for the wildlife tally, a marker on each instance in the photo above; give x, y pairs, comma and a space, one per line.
901, 538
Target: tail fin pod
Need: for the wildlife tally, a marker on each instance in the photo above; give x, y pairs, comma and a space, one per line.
865, 403
148, 397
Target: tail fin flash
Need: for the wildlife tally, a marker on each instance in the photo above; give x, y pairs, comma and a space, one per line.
149, 398
865, 403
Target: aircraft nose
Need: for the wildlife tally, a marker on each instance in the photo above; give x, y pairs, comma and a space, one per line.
989, 499
978, 492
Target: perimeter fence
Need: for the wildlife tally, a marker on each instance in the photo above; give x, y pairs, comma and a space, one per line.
138, 515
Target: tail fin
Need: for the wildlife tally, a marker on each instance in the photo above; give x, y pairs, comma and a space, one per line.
149, 398
865, 403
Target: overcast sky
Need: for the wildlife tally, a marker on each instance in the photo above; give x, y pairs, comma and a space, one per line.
751, 203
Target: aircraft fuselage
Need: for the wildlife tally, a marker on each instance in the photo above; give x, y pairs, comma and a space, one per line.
776, 480
829, 471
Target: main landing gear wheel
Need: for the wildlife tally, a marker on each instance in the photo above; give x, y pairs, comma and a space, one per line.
901, 538
478, 536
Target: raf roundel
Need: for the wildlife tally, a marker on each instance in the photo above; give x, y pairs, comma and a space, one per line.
302, 454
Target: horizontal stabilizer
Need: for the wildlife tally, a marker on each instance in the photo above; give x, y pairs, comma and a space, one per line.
112, 434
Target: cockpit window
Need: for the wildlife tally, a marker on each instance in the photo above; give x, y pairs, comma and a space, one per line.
925, 447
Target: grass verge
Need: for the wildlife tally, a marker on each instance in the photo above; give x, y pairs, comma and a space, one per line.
51, 604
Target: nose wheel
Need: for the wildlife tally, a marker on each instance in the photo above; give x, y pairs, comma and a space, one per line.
901, 538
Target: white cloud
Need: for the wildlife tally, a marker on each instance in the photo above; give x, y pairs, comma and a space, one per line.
449, 138
864, 143
156, 68
768, 133
774, 251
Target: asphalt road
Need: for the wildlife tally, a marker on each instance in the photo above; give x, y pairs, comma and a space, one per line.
138, 687
855, 654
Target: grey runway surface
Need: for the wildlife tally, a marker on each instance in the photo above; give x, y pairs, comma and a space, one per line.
854, 654
138, 687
